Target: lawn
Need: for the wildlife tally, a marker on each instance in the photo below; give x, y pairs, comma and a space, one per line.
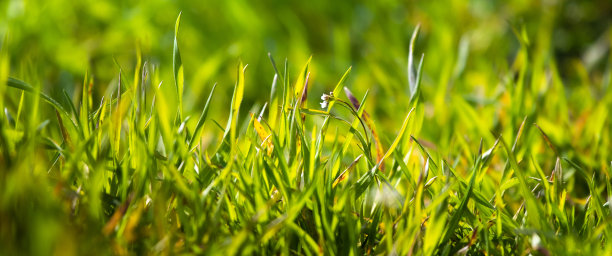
307, 128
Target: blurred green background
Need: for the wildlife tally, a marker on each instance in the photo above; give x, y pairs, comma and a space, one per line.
470, 50
57, 42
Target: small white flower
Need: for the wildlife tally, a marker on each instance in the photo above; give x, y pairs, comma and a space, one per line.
324, 104
326, 98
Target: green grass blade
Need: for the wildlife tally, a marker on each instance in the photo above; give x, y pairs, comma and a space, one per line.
198, 130
177, 67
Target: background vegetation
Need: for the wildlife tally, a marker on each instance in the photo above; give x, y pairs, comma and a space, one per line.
498, 144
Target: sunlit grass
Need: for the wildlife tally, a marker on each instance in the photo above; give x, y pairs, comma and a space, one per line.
518, 167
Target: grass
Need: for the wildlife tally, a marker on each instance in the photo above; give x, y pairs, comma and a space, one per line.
522, 170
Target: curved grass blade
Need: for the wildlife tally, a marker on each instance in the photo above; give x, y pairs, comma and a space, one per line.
177, 67
230, 129
342, 176
198, 130
302, 79
412, 80
19, 84
338, 87
532, 206
366, 118
365, 180
397, 139
454, 221
422, 149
